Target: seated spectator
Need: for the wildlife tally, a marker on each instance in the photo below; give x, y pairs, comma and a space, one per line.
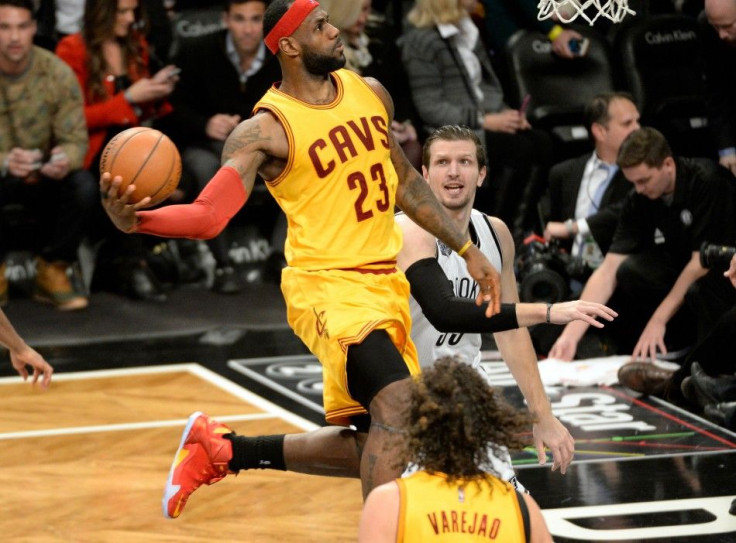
110, 58
43, 139
654, 259
205, 114
453, 422
584, 196
452, 82
373, 55
718, 36
581, 190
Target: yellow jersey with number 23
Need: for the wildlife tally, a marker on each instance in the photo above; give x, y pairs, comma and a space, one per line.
338, 188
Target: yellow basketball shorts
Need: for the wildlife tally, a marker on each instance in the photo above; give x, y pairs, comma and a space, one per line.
332, 309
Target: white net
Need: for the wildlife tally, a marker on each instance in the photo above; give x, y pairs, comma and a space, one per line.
566, 11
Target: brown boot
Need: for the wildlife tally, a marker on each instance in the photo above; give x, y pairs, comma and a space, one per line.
53, 286
645, 377
3, 285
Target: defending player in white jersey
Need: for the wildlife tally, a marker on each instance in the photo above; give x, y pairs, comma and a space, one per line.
445, 319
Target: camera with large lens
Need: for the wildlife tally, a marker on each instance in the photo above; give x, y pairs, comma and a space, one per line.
544, 271
716, 256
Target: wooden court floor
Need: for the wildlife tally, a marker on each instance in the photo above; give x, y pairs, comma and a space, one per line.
87, 462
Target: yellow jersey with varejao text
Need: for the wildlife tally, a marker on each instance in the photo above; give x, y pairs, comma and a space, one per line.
433, 510
338, 188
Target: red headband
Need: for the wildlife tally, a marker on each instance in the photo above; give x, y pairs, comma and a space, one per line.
290, 21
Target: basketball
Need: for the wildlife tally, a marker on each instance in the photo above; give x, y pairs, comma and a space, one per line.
145, 158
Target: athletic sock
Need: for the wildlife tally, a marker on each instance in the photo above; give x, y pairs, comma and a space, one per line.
261, 452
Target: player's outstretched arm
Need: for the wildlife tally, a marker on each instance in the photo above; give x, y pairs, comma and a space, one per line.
518, 352
449, 313
21, 355
247, 149
529, 314
416, 199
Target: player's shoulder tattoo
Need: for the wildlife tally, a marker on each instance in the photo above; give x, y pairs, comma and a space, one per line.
245, 135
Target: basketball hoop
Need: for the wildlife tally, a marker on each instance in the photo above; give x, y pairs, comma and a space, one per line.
566, 11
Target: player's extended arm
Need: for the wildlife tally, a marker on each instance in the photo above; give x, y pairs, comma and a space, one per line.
449, 313
246, 150
416, 199
21, 355
517, 351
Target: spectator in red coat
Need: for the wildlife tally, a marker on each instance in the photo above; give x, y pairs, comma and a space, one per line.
110, 58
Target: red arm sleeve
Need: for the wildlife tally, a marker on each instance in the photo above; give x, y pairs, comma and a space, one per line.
206, 217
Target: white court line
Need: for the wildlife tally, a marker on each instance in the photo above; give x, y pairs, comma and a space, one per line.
271, 410
124, 427
102, 374
560, 521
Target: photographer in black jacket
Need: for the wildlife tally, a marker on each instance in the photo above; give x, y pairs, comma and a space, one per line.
653, 261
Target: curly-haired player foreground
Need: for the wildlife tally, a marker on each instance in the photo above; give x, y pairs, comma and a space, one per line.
453, 421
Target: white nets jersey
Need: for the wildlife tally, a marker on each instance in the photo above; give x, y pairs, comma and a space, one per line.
433, 344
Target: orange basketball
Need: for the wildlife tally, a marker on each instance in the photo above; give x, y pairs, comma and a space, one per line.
145, 158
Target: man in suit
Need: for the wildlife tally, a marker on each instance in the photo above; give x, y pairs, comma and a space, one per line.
223, 75
584, 191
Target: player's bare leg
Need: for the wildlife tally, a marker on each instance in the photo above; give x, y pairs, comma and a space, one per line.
379, 463
333, 451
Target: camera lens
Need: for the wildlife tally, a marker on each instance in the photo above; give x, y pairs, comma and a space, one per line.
716, 256
543, 285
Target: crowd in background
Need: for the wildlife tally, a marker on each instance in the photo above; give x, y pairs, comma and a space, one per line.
194, 70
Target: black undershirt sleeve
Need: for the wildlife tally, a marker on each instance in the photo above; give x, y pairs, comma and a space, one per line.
448, 313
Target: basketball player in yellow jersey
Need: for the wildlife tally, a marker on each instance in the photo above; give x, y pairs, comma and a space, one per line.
321, 140
451, 498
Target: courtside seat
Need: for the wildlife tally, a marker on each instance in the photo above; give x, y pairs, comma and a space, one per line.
559, 88
660, 62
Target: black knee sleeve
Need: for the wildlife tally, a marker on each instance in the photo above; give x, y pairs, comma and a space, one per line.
372, 365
